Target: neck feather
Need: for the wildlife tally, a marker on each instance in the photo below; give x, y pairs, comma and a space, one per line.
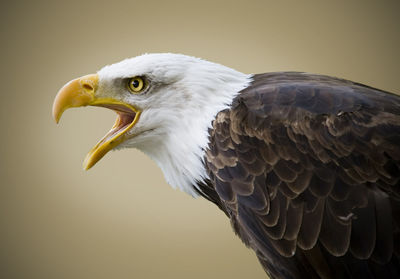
180, 152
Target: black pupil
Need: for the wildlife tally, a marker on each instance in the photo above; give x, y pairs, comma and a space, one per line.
135, 83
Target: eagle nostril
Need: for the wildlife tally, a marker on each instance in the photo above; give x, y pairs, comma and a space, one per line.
88, 87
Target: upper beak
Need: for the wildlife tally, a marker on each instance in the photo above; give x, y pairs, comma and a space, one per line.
82, 92
76, 93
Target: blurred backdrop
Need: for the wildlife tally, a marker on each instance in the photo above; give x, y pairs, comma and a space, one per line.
58, 221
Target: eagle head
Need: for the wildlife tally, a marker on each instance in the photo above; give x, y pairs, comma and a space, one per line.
165, 104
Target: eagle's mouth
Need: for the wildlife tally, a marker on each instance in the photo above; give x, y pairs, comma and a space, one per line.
82, 92
127, 117
124, 121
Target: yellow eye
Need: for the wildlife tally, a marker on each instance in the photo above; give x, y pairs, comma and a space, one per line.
136, 84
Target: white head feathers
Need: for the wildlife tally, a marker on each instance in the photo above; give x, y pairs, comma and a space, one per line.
183, 98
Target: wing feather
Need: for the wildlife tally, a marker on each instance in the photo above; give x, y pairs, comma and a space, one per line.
308, 169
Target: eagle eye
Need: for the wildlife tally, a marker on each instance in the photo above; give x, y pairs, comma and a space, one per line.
136, 84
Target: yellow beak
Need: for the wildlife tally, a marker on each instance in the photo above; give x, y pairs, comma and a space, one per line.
82, 92
76, 93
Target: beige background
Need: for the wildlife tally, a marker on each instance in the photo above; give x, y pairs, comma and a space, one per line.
120, 219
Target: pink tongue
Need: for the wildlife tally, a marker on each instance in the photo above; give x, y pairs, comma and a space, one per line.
125, 118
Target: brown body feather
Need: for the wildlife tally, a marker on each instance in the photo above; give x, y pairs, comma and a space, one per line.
307, 168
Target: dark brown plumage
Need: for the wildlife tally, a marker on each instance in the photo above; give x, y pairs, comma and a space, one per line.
307, 167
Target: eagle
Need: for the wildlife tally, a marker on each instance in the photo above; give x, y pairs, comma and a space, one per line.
305, 166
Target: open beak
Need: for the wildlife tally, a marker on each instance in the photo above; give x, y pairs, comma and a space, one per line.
82, 92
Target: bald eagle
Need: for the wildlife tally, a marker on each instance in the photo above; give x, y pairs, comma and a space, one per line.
306, 166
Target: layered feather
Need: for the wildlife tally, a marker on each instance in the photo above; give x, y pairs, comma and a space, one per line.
308, 167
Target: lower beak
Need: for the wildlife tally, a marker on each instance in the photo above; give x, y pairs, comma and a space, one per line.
82, 92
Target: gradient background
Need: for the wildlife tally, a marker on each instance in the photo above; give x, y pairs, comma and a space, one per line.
120, 219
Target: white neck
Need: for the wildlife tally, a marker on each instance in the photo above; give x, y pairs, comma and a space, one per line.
180, 152
177, 114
